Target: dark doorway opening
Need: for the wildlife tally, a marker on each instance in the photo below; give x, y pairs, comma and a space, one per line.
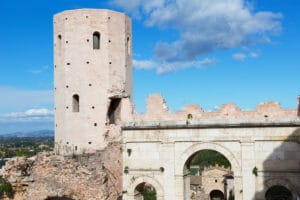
216, 195
278, 192
144, 191
114, 111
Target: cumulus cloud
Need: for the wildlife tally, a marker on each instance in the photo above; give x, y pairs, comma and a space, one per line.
204, 26
169, 67
31, 115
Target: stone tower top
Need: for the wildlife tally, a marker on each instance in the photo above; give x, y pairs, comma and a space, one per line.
92, 76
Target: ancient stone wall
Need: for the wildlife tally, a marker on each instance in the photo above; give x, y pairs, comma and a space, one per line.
214, 178
93, 107
157, 110
262, 146
86, 176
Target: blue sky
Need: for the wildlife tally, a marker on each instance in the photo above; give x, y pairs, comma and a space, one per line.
206, 52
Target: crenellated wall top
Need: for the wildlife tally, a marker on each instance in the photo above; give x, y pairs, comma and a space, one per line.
157, 110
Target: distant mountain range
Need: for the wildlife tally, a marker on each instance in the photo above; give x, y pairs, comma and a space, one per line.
38, 133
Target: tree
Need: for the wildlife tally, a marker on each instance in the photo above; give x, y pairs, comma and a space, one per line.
205, 158
149, 194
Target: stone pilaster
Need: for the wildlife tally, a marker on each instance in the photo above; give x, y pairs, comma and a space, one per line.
248, 163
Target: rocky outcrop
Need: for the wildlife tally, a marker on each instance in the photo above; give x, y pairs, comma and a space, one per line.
87, 176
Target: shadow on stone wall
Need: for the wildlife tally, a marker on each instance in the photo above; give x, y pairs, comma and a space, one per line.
280, 177
59, 198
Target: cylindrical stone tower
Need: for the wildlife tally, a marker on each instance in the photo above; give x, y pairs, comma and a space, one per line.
92, 77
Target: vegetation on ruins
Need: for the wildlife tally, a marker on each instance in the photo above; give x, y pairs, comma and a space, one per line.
206, 158
149, 194
5, 188
254, 171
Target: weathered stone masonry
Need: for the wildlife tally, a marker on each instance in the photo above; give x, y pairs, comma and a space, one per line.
92, 78
266, 138
93, 107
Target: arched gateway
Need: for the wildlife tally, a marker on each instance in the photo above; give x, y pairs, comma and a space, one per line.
278, 192
195, 147
186, 177
258, 143
139, 184
255, 151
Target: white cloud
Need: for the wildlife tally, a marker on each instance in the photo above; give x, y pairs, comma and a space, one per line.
134, 6
174, 66
239, 56
169, 67
38, 112
31, 115
144, 64
243, 56
253, 54
204, 26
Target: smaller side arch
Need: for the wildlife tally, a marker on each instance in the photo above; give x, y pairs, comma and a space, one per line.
216, 194
158, 187
280, 182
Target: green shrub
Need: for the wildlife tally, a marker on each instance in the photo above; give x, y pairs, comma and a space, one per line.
149, 194
6, 188
254, 171
193, 171
206, 158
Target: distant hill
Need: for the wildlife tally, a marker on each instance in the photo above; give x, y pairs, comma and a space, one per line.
39, 133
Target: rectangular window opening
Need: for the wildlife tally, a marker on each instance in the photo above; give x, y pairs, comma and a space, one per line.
75, 103
96, 40
114, 111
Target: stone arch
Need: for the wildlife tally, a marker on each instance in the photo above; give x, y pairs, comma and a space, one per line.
216, 193
236, 168
280, 182
158, 187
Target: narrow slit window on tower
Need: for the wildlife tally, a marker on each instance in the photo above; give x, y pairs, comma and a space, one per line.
114, 111
58, 41
96, 40
128, 46
75, 103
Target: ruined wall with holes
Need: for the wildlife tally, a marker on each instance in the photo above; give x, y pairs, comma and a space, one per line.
93, 87
157, 110
93, 107
262, 145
